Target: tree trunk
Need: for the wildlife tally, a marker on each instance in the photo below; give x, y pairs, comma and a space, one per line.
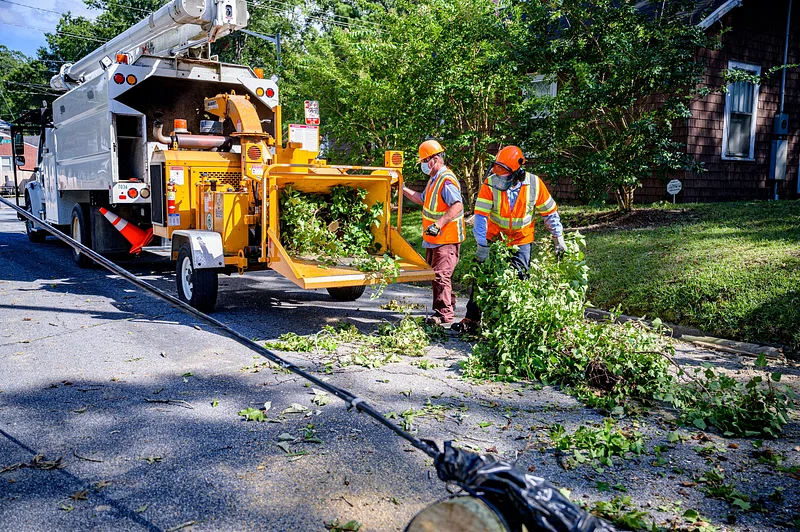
624, 196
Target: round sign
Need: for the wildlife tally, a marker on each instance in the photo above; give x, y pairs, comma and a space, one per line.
674, 186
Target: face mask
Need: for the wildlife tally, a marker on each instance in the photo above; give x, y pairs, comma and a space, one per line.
426, 168
501, 182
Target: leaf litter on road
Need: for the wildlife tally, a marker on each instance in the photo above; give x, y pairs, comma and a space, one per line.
38, 462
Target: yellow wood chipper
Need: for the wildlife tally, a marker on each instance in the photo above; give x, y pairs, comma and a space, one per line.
221, 209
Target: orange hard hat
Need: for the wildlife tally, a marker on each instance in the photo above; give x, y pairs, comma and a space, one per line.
429, 148
510, 159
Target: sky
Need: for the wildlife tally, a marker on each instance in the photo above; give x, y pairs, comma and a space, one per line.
26, 39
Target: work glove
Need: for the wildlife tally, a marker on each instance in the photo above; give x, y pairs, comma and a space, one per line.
433, 230
560, 245
482, 253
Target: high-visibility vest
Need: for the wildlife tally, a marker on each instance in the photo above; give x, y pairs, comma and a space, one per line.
516, 224
434, 208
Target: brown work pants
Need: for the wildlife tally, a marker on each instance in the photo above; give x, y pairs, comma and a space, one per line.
443, 260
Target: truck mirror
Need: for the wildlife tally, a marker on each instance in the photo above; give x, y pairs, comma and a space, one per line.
19, 160
19, 144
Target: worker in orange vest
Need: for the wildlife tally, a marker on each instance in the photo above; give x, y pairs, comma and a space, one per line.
506, 202
442, 227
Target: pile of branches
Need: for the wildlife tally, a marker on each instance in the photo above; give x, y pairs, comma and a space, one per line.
534, 328
336, 228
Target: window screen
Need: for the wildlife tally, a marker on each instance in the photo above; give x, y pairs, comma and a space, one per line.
741, 107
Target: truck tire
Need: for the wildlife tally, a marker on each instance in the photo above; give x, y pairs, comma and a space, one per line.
34, 235
195, 287
346, 293
79, 230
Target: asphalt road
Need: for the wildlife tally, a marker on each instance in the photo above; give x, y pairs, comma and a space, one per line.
140, 403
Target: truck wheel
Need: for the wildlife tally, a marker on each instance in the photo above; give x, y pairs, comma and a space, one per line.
34, 235
196, 287
79, 230
346, 293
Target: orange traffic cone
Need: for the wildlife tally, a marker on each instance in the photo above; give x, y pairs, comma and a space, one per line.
137, 237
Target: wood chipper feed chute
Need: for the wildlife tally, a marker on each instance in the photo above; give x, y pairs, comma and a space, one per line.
308, 273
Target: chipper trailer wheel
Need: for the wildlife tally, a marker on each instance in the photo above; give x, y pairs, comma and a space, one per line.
79, 231
34, 235
196, 287
346, 293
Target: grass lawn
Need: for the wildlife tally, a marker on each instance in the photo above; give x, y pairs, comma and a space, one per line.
729, 269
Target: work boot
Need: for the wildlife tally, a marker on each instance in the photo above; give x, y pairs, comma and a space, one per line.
467, 326
436, 320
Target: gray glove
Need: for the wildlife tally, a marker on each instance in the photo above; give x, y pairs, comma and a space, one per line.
433, 230
560, 245
482, 253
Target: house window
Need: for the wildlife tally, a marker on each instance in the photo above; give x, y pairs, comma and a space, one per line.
5, 166
542, 87
741, 114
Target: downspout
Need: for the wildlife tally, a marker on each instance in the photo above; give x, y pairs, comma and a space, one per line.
783, 87
785, 55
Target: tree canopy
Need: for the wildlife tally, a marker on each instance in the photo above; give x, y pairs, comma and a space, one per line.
390, 73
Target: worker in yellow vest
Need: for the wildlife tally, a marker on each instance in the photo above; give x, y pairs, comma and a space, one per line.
506, 202
442, 227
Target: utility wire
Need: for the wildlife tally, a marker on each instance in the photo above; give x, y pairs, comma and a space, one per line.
32, 93
10, 112
32, 85
347, 25
32, 7
355, 20
112, 4
43, 30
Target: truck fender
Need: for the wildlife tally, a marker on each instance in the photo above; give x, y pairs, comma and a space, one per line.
206, 248
36, 194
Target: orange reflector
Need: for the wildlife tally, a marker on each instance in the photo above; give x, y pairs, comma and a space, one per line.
393, 159
259, 73
254, 153
132, 193
131, 79
122, 59
259, 91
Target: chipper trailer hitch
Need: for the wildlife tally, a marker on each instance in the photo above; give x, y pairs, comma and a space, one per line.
502, 498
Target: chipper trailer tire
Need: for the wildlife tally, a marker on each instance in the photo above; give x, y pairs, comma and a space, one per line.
197, 287
346, 293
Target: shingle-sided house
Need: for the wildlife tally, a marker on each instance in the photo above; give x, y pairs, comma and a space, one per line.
736, 134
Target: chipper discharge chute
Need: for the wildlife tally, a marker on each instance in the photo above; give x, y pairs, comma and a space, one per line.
221, 205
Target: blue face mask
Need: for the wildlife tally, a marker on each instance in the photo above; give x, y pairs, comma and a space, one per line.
426, 168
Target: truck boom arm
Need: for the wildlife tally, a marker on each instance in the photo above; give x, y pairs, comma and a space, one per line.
176, 26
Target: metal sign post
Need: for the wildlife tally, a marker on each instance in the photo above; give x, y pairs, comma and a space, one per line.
673, 187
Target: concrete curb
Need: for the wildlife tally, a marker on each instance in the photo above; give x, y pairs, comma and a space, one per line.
696, 337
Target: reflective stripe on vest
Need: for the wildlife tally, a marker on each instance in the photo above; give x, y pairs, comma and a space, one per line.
515, 224
435, 207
